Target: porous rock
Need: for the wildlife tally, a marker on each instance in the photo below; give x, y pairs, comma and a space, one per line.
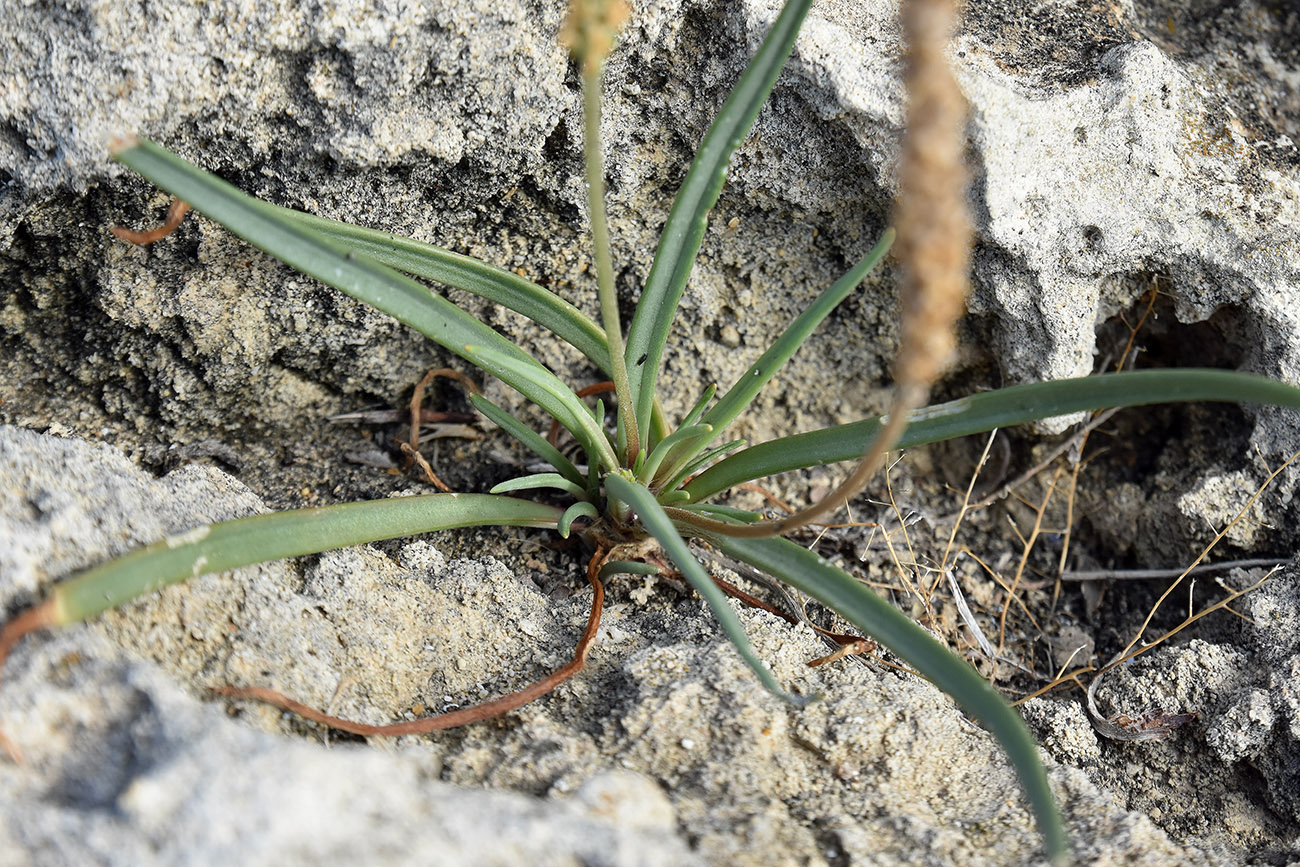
1119, 158
665, 738
1112, 153
1244, 696
123, 766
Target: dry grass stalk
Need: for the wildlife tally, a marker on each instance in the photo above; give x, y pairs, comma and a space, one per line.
591, 28
933, 220
1128, 652
934, 237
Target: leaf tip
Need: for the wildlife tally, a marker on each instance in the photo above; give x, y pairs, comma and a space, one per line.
122, 142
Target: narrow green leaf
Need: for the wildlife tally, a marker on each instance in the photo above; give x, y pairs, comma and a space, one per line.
694, 465
805, 571
580, 509
682, 437
471, 275
531, 439
258, 539
762, 371
684, 230
627, 567
994, 409
552, 395
673, 498
700, 406
658, 525
377, 285
534, 481
466, 273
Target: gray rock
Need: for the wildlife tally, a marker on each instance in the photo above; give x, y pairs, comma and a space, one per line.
1064, 731
667, 725
1122, 161
1099, 167
1245, 697
123, 767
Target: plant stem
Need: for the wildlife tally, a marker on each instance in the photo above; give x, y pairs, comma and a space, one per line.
593, 153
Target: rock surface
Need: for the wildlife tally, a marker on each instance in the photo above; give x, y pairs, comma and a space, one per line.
1113, 153
661, 753
1117, 147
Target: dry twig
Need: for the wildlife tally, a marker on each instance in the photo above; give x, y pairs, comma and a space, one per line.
175, 215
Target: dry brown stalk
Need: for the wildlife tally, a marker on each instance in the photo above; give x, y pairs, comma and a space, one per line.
933, 221
1028, 547
1127, 653
965, 507
175, 215
934, 235
591, 29
463, 716
411, 449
